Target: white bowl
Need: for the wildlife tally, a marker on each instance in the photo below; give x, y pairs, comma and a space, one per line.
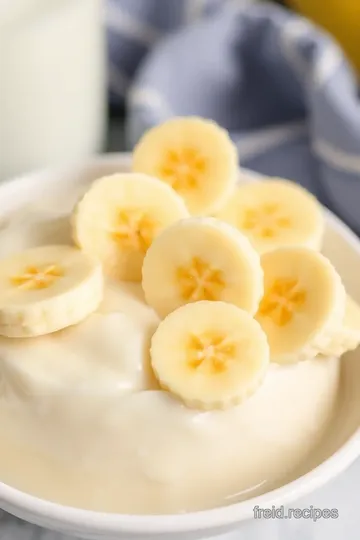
338, 449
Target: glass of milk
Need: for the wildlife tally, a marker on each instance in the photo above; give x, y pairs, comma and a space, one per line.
52, 83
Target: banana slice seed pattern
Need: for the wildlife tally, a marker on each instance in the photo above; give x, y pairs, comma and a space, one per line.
282, 300
265, 220
182, 169
210, 352
134, 229
200, 281
37, 278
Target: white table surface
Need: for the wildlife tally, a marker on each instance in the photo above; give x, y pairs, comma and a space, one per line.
343, 493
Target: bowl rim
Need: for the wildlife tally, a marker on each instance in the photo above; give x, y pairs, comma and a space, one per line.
80, 520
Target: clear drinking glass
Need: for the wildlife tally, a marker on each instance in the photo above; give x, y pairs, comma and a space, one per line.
52, 83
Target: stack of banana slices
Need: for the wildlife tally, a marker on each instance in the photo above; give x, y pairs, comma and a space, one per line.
234, 272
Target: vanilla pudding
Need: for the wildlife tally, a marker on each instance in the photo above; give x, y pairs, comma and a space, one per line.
83, 421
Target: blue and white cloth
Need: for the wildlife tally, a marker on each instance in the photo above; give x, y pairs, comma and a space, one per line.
280, 86
134, 27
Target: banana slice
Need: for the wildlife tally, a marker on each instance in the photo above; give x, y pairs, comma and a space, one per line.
212, 355
303, 303
275, 213
194, 156
48, 288
201, 259
119, 217
347, 338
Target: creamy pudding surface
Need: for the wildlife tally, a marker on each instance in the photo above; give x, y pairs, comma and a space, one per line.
84, 423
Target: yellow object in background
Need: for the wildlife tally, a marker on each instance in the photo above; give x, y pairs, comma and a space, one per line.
341, 18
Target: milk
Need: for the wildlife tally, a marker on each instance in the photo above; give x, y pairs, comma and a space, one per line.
52, 82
